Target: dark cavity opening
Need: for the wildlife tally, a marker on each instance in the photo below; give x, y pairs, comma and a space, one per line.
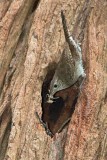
35, 5
56, 115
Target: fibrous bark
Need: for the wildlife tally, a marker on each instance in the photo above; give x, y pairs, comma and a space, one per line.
31, 39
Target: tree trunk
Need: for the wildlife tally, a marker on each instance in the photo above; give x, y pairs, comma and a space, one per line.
31, 39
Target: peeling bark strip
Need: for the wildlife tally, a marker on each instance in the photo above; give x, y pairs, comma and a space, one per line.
5, 128
10, 30
87, 131
32, 38
14, 32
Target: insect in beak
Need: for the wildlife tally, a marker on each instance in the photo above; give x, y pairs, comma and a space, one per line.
51, 99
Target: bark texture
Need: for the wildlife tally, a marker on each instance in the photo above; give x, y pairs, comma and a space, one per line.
31, 38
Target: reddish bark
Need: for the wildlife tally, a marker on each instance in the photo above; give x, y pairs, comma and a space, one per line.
31, 38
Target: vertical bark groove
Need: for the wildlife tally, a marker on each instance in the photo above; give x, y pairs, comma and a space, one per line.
31, 37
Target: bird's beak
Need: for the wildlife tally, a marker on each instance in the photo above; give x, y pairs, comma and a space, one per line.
51, 99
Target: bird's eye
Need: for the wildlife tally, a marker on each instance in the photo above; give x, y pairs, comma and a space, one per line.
55, 85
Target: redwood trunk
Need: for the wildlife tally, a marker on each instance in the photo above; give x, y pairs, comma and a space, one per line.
31, 38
